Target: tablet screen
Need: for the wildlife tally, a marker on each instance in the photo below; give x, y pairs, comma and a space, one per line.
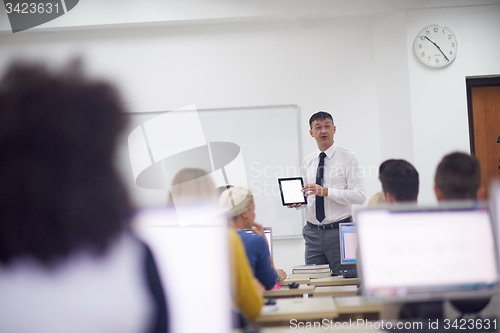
291, 191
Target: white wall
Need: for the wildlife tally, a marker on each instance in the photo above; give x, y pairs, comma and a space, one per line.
438, 96
385, 103
423, 110
393, 86
312, 64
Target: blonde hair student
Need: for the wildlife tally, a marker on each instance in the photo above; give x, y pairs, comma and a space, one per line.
192, 186
376, 200
236, 200
240, 206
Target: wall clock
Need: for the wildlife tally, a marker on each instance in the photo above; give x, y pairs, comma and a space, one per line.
436, 45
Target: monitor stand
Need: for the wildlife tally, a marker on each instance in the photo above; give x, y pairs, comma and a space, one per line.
422, 310
470, 307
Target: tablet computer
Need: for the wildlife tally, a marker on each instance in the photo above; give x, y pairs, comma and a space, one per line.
291, 191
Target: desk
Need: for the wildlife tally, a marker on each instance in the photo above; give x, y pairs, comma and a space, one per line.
335, 291
285, 291
357, 306
333, 281
299, 281
314, 308
308, 276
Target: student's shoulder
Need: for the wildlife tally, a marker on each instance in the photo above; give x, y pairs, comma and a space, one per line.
251, 237
233, 236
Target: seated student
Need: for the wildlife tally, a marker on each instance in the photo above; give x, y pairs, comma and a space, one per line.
376, 200
68, 262
248, 290
241, 211
399, 181
193, 186
458, 177
400, 184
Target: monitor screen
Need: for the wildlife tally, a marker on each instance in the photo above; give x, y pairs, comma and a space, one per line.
194, 267
426, 253
348, 243
269, 236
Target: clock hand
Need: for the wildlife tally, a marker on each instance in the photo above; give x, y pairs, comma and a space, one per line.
438, 48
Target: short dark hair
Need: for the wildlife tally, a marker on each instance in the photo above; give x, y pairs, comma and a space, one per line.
59, 191
458, 176
320, 115
399, 178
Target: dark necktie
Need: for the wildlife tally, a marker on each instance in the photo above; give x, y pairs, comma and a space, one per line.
320, 201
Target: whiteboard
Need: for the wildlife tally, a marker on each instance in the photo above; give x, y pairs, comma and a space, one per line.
258, 146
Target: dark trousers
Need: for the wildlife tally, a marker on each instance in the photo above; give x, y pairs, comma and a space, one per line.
323, 244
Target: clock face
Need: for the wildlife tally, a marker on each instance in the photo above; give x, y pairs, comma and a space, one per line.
436, 45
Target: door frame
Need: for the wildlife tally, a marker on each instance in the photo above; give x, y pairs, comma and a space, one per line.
473, 82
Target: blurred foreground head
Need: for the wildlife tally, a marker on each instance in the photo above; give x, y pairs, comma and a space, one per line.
192, 186
59, 191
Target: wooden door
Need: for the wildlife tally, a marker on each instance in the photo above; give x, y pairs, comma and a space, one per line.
483, 94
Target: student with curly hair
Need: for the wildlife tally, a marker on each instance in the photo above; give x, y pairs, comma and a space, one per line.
68, 262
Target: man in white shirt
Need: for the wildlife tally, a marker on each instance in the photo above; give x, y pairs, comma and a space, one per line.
330, 193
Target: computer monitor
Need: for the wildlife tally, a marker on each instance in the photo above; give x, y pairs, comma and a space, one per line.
194, 266
348, 243
268, 232
416, 253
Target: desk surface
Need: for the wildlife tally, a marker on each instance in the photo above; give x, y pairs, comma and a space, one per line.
356, 304
286, 291
335, 291
300, 309
333, 281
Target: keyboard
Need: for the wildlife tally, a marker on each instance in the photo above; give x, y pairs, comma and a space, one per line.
349, 273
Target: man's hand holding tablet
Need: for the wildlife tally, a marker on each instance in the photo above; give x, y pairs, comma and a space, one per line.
291, 190
294, 206
315, 189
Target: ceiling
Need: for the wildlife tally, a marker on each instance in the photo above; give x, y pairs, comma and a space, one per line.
91, 14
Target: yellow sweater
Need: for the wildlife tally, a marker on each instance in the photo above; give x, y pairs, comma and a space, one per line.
248, 298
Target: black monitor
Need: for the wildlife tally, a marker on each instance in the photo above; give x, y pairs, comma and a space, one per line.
412, 253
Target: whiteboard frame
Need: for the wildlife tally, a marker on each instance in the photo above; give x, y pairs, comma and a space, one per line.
298, 219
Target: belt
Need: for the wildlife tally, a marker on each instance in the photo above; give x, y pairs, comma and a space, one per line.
334, 225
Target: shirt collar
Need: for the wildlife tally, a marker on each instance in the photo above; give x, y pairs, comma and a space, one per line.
330, 151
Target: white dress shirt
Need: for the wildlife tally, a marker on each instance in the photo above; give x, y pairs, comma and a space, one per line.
84, 293
341, 177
